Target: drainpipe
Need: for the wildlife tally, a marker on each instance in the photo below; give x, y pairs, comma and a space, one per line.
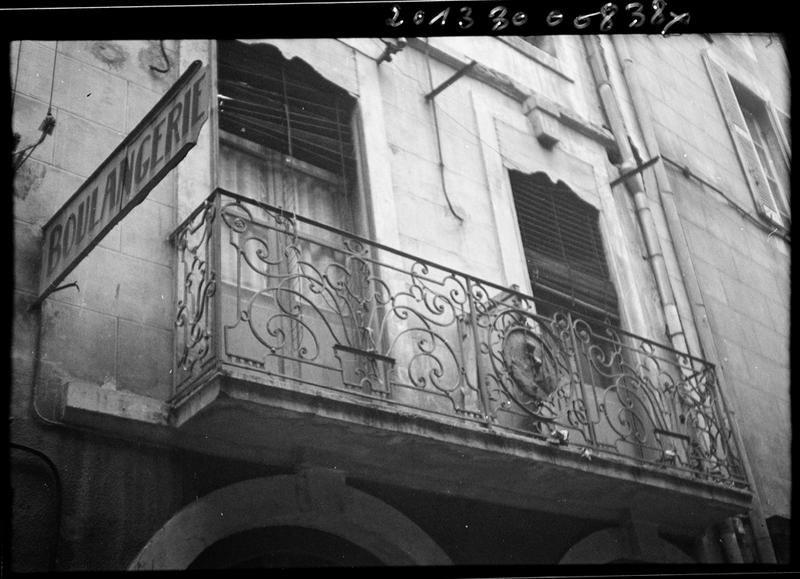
635, 187
643, 115
730, 545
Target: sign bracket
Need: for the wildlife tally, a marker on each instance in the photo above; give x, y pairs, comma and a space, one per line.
38, 304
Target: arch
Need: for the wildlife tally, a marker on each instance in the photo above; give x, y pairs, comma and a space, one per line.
282, 547
617, 544
320, 502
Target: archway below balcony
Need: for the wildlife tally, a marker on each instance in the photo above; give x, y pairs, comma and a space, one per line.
315, 503
626, 544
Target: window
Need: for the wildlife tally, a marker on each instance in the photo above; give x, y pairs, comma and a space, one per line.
759, 134
567, 268
286, 139
765, 142
544, 43
563, 247
286, 134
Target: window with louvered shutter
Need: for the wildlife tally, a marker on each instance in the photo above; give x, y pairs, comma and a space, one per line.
285, 106
286, 138
563, 247
753, 135
544, 43
785, 125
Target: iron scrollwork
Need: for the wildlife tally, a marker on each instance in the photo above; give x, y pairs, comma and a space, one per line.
311, 304
196, 291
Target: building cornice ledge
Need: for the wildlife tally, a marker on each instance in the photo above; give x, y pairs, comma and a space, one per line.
520, 93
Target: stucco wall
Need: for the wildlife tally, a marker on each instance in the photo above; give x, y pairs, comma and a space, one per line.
117, 328
743, 270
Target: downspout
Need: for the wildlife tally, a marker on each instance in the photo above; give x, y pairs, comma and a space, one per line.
641, 108
635, 187
730, 545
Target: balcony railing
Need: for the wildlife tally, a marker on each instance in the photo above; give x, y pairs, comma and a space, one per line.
301, 302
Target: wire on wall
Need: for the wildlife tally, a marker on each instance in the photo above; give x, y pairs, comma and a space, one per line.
687, 172
438, 136
166, 59
48, 123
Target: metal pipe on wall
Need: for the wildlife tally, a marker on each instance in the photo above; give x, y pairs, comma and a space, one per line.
730, 546
635, 186
699, 312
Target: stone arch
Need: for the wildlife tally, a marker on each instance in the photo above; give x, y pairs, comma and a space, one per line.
314, 500
621, 544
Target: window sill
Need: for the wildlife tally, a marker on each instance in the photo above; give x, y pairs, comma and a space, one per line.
537, 54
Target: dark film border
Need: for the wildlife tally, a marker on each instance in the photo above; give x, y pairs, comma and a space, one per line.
401, 18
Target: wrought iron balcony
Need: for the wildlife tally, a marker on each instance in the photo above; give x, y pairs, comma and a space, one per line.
299, 302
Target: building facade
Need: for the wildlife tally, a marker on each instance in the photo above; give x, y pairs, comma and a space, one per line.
509, 300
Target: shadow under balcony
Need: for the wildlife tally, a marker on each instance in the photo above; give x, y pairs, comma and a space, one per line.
300, 344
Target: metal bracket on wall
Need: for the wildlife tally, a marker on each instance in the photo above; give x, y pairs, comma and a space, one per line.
37, 305
633, 172
461, 72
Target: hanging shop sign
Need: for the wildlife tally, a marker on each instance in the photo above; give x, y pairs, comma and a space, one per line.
151, 150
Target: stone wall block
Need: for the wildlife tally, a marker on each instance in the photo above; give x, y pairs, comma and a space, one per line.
145, 360
28, 116
79, 343
90, 93
81, 145
145, 230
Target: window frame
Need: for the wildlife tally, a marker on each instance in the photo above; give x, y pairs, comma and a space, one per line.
553, 62
729, 89
766, 154
603, 273
351, 181
547, 39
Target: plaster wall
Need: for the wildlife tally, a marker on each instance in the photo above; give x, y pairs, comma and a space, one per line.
743, 269
117, 331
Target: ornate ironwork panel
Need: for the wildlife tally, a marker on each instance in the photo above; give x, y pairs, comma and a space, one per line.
303, 302
197, 286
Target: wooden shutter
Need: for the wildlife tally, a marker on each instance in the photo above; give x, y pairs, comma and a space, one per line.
783, 128
745, 150
285, 106
562, 243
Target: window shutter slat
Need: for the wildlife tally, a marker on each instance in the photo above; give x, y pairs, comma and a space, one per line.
286, 106
783, 128
563, 248
745, 150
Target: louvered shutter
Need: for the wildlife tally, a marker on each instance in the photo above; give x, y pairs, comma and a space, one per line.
745, 150
285, 106
783, 129
562, 243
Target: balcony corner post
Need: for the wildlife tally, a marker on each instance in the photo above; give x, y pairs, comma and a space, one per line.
216, 273
473, 322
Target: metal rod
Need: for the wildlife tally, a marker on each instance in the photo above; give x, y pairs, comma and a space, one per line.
67, 285
704, 335
464, 70
589, 402
479, 361
286, 113
635, 171
439, 139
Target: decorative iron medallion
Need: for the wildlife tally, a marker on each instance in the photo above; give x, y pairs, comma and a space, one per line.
531, 363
